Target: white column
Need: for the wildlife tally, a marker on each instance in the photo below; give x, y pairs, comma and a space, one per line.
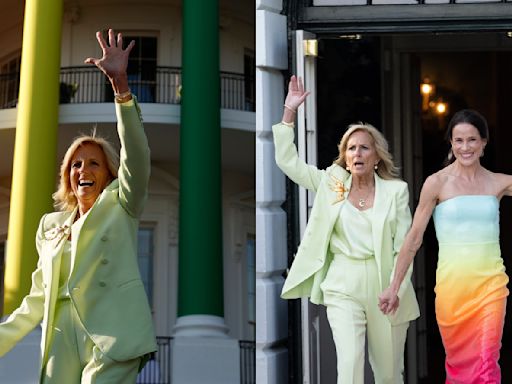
271, 250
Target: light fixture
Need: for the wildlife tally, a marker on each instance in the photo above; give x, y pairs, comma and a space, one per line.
509, 34
427, 91
441, 108
356, 36
426, 88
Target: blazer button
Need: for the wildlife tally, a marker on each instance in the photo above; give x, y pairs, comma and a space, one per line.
103, 284
104, 261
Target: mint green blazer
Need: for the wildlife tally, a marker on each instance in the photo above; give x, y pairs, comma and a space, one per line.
391, 221
104, 284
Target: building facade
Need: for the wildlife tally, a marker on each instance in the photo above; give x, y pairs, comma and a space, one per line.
404, 66
161, 30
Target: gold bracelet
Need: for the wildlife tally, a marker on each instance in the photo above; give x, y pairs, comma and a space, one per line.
291, 125
290, 108
123, 97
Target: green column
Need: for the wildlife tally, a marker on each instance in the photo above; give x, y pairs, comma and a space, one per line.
36, 143
200, 285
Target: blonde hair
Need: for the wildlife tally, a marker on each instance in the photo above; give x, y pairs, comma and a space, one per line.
385, 168
64, 198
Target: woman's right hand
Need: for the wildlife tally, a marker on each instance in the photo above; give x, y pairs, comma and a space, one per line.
295, 97
296, 94
114, 61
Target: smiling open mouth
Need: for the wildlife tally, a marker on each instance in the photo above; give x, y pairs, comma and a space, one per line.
85, 183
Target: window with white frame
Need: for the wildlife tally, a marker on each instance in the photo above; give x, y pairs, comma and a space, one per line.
141, 68
145, 257
10, 81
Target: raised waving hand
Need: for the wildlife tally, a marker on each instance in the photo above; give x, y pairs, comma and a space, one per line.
114, 61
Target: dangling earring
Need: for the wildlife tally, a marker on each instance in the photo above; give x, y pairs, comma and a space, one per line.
482, 154
347, 167
376, 166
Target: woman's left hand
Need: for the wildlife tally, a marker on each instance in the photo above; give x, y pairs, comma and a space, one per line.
114, 61
388, 301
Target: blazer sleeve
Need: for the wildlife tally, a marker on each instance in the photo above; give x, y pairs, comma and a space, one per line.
30, 313
134, 159
403, 223
287, 159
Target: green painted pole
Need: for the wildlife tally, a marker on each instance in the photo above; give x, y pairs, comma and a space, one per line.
36, 143
200, 285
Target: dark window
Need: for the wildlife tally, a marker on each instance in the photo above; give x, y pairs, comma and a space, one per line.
9, 82
145, 259
141, 69
249, 80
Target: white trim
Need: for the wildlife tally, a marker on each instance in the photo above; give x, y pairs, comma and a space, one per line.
151, 113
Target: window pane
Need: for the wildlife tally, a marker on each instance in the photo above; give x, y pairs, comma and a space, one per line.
249, 80
9, 82
145, 259
148, 47
141, 68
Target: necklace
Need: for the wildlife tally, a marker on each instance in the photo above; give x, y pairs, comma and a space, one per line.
361, 202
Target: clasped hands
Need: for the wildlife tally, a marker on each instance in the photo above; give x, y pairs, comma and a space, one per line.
388, 301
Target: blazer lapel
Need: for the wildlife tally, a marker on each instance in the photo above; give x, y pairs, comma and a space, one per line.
56, 258
381, 205
338, 185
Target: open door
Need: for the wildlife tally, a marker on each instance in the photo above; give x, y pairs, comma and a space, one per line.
400, 121
305, 67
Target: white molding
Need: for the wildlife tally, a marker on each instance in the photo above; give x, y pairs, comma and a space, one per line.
151, 113
200, 326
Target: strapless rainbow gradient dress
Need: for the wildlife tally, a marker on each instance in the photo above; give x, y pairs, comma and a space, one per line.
471, 288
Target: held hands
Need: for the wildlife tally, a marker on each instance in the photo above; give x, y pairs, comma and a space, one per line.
388, 301
114, 61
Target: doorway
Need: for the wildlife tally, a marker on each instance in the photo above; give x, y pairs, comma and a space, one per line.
376, 79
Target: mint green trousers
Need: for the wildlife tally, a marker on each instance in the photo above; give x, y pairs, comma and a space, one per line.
351, 289
73, 358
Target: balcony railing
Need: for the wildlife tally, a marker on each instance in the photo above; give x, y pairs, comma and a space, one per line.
247, 362
85, 84
158, 369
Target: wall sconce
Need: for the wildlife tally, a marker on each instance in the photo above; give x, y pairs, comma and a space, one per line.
72, 12
427, 90
441, 108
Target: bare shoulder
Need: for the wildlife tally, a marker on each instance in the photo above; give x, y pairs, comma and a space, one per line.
502, 183
501, 178
435, 181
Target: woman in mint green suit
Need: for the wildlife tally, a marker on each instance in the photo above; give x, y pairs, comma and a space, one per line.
87, 291
354, 233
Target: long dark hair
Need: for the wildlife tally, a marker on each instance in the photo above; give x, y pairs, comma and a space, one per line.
469, 116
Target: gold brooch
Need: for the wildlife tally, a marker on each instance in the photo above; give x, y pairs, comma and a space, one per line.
339, 188
57, 232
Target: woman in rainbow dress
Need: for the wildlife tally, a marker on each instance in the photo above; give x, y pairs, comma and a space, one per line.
471, 290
